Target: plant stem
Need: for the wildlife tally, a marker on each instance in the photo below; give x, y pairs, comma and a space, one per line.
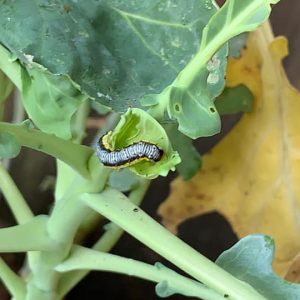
169, 281
117, 208
18, 112
51, 145
78, 125
12, 281
14, 198
18, 239
12, 69
105, 243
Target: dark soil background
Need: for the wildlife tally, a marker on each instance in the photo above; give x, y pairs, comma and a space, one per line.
209, 234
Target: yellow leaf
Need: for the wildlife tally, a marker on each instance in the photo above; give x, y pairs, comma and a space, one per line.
252, 176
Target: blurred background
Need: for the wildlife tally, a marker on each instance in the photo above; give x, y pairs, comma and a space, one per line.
209, 234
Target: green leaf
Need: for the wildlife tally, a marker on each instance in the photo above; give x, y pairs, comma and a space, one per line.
189, 99
234, 100
9, 146
123, 180
190, 157
250, 260
117, 51
137, 125
50, 100
30, 236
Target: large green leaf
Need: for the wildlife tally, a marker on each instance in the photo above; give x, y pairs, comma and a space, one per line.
251, 261
189, 99
117, 51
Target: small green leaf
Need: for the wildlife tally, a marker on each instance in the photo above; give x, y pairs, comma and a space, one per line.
250, 260
50, 100
190, 157
9, 146
234, 100
123, 180
137, 125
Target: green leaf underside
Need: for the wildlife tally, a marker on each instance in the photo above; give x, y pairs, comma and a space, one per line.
50, 101
137, 125
9, 146
117, 51
190, 158
251, 261
234, 100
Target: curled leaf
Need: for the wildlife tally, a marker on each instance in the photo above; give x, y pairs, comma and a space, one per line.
137, 125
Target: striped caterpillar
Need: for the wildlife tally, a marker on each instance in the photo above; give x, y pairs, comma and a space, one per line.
127, 155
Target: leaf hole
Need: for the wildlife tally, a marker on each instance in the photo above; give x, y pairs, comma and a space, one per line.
177, 107
212, 109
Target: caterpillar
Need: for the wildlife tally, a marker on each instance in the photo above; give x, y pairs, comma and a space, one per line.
127, 155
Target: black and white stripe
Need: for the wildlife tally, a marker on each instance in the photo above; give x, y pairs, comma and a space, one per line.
127, 154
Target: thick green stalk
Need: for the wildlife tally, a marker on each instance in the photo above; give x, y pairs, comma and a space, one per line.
76, 156
29, 236
169, 281
14, 283
105, 243
117, 208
